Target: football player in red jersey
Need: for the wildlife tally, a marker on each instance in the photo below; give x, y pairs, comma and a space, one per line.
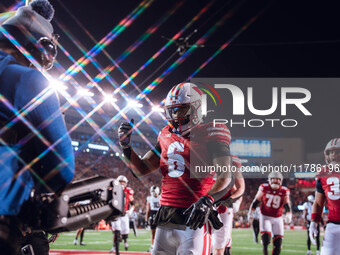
328, 189
187, 201
230, 204
273, 198
120, 227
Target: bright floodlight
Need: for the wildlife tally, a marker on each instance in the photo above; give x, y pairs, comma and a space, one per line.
134, 104
85, 92
58, 85
109, 98
157, 108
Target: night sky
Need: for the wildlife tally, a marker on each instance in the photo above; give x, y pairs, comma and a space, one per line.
287, 39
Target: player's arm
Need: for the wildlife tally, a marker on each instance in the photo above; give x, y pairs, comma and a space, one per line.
239, 184
199, 212
288, 209
132, 204
257, 200
317, 209
287, 204
139, 166
318, 205
224, 180
305, 213
147, 213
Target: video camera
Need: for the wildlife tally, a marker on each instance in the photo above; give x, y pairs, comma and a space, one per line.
82, 204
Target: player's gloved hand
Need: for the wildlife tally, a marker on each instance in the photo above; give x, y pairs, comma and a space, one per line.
214, 220
53, 238
288, 218
197, 214
124, 134
313, 232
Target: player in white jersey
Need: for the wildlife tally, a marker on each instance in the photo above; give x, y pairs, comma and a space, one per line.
307, 212
152, 206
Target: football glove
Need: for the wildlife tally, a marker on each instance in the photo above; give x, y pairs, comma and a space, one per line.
198, 213
288, 218
313, 231
124, 134
214, 220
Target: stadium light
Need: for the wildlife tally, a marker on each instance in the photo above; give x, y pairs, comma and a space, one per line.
85, 92
134, 104
75, 143
157, 108
58, 85
98, 147
109, 98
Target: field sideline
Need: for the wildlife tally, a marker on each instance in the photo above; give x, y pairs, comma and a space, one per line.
101, 241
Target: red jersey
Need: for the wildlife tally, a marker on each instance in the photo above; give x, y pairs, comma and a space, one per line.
328, 183
272, 200
179, 189
128, 197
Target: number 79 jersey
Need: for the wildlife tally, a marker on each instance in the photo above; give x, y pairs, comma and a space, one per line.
179, 187
272, 200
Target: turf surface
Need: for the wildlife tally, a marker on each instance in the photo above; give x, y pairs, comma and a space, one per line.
294, 242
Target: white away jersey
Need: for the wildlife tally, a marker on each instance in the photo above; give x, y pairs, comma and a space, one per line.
155, 202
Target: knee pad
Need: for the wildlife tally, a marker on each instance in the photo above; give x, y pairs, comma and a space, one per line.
125, 237
265, 239
277, 242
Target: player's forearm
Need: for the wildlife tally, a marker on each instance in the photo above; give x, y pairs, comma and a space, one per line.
220, 187
240, 188
254, 204
137, 165
318, 207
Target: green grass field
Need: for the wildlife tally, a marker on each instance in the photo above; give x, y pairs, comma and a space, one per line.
294, 242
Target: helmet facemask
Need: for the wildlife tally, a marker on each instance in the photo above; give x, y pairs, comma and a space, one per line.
333, 156
183, 117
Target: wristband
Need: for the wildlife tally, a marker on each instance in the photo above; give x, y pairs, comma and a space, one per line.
127, 152
212, 199
316, 217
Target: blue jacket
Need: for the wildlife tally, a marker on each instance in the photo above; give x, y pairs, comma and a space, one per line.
42, 154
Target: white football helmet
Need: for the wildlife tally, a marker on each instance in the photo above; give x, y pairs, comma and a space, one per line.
183, 107
332, 145
122, 178
274, 184
154, 191
310, 198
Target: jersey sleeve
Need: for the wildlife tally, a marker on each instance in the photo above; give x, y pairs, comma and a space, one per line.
319, 186
261, 188
287, 191
218, 133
